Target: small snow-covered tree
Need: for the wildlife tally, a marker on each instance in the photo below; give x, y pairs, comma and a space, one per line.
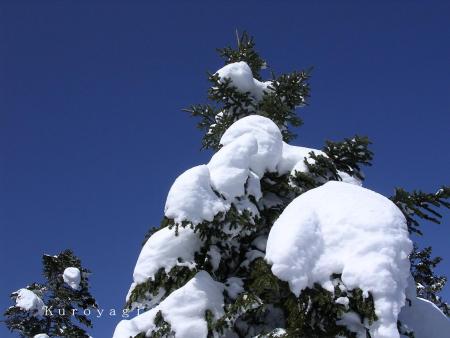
270, 239
56, 307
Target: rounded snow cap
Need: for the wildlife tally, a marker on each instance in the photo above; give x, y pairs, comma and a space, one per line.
192, 199
241, 77
29, 301
240, 74
72, 277
346, 229
268, 138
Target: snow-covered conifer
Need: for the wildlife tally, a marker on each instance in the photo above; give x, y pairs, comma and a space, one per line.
270, 239
56, 307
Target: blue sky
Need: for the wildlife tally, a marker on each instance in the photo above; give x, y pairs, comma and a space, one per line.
92, 134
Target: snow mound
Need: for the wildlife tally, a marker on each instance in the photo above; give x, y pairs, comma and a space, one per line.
349, 179
229, 167
192, 199
293, 157
241, 77
163, 250
41, 335
184, 309
424, 318
345, 229
27, 300
268, 138
72, 277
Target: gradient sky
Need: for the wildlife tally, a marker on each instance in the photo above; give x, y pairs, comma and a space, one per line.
92, 134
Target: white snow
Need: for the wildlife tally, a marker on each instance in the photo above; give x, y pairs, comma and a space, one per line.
342, 301
343, 228
423, 317
275, 333
41, 335
72, 277
352, 321
268, 138
229, 167
251, 147
27, 300
292, 158
163, 249
192, 199
349, 179
184, 309
215, 257
254, 186
241, 77
234, 286
260, 243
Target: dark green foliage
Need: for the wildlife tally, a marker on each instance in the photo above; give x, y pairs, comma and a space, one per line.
347, 156
323, 169
417, 206
245, 52
350, 154
288, 92
361, 305
174, 279
245, 305
313, 314
428, 284
163, 328
420, 205
65, 303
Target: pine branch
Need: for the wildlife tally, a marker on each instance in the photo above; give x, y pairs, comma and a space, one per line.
420, 205
245, 52
428, 284
349, 155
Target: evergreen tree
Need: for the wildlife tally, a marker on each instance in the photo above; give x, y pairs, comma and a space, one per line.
56, 307
231, 245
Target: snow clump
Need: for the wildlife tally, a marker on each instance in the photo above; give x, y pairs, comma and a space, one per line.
27, 300
72, 277
184, 309
268, 138
165, 250
192, 199
345, 229
241, 77
251, 146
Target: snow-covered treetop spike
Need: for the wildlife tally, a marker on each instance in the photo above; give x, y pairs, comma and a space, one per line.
245, 51
237, 90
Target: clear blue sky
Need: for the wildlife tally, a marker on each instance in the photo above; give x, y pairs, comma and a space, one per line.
92, 134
